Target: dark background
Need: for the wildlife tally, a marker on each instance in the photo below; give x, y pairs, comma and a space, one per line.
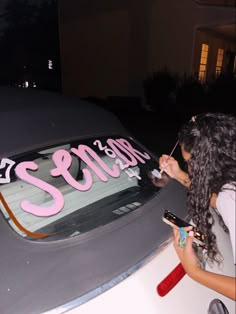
29, 41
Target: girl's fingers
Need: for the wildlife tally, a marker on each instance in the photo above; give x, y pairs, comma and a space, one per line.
176, 231
189, 241
188, 228
176, 236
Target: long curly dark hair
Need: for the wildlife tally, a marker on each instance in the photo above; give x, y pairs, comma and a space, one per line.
210, 138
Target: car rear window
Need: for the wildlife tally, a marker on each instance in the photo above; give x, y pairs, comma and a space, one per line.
72, 188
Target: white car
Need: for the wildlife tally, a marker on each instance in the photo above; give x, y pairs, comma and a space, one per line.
81, 227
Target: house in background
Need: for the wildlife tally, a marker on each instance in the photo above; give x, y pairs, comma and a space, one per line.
108, 47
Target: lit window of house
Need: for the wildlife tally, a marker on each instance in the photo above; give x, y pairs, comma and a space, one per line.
219, 61
203, 62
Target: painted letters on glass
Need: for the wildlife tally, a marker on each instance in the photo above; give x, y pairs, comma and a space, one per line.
119, 151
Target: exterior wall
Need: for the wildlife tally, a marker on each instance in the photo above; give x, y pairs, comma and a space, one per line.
174, 24
109, 47
104, 47
215, 42
94, 55
217, 2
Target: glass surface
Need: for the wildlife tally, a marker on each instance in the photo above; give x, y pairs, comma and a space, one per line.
67, 190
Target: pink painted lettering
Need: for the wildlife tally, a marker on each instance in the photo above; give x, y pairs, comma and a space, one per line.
85, 152
133, 151
114, 144
63, 160
58, 200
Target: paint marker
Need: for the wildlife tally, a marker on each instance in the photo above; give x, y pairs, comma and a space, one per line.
171, 153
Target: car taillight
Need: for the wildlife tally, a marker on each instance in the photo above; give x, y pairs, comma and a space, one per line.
171, 280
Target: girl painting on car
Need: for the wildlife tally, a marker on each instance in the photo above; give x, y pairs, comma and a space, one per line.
208, 145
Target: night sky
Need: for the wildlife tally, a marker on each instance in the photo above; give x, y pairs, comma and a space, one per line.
2, 6
30, 28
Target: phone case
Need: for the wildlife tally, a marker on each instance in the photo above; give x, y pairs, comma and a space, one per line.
172, 220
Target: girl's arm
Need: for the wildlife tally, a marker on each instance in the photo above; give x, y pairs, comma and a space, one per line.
172, 168
222, 284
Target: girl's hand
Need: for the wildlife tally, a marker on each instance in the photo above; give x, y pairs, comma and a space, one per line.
186, 255
169, 165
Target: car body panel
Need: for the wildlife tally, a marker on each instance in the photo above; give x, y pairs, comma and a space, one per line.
29, 121
61, 271
137, 294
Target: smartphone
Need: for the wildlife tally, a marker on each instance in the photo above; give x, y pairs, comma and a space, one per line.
172, 220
